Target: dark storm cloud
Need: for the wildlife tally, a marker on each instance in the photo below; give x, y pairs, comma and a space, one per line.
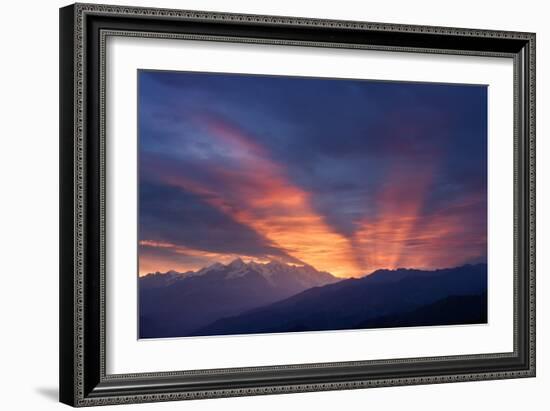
171, 215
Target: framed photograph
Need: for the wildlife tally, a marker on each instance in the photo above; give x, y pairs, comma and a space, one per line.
260, 204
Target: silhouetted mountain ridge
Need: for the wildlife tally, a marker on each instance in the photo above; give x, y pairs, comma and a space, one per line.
174, 304
355, 303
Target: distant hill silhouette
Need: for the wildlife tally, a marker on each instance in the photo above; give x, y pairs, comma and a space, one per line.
175, 304
386, 298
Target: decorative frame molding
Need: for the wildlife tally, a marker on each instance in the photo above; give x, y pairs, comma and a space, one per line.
83, 32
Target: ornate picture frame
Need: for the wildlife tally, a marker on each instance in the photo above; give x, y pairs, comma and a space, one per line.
84, 378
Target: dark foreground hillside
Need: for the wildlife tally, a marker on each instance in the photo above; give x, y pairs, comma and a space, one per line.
386, 298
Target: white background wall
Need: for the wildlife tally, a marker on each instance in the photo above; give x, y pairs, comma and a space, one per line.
29, 204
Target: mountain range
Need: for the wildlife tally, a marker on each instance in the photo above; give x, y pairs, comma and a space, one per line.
241, 298
175, 304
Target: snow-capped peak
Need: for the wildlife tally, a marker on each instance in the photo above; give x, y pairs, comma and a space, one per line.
208, 269
237, 263
237, 268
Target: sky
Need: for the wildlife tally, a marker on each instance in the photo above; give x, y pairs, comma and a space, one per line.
348, 176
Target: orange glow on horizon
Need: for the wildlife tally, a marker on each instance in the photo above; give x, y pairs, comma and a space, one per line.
381, 240
150, 264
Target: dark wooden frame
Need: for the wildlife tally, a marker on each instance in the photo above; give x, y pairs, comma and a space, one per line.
83, 29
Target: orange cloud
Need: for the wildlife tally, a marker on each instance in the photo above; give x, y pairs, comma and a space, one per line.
258, 194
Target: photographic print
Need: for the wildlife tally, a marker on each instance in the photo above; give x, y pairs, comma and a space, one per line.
278, 204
